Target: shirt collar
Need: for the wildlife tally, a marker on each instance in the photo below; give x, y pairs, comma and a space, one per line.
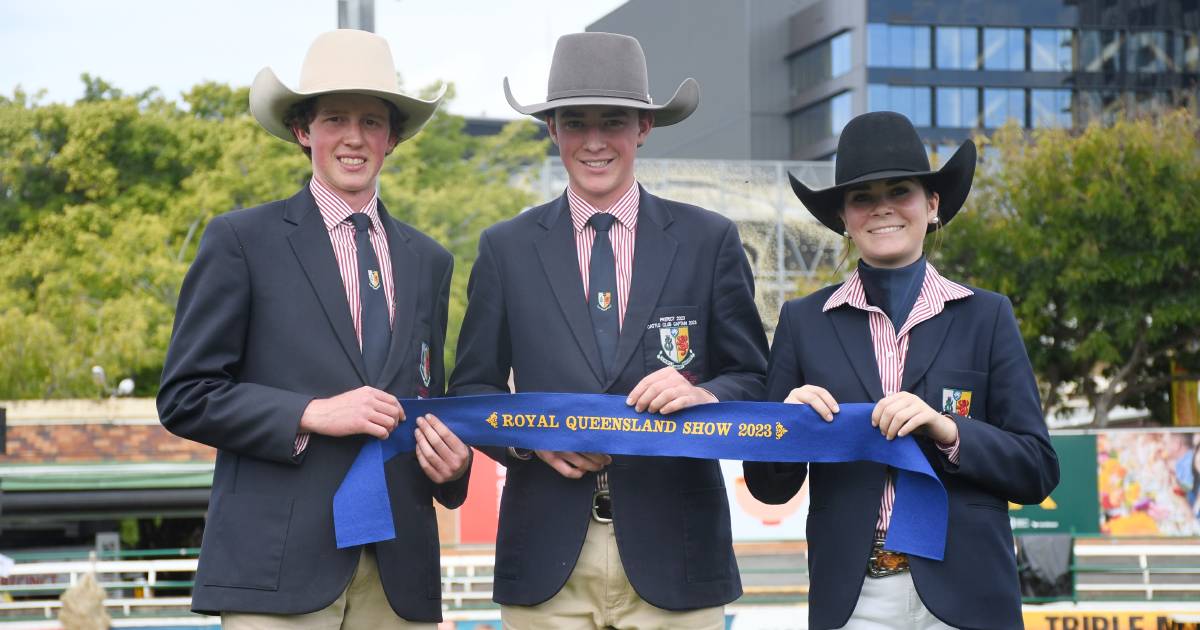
934, 289
625, 209
334, 211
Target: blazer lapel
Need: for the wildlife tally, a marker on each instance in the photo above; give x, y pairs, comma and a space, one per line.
406, 275
556, 251
854, 333
310, 243
924, 342
653, 253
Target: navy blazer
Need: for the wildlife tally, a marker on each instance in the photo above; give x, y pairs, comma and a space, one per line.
262, 329
1004, 454
527, 312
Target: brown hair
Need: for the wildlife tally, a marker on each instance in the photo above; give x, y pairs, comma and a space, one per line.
300, 115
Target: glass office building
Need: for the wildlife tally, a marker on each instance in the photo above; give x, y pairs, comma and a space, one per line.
955, 67
779, 78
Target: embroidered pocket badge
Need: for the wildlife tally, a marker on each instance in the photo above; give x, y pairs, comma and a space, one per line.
956, 401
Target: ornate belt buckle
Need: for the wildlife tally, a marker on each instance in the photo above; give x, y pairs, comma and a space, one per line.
884, 563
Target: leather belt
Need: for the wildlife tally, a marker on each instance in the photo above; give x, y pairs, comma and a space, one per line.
883, 563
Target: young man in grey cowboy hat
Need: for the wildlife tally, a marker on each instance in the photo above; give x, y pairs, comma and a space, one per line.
300, 324
610, 289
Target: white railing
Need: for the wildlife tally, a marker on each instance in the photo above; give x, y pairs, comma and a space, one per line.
467, 579
1141, 567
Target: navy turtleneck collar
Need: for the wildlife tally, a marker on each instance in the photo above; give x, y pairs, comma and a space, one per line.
894, 291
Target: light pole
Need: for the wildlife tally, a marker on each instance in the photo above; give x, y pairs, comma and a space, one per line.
124, 388
359, 14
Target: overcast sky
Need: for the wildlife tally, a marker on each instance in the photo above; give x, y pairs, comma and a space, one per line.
174, 44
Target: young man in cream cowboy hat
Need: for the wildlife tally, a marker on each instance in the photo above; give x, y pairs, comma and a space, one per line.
610, 289
300, 324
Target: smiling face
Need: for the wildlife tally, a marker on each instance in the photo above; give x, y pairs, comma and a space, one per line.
349, 136
598, 145
887, 220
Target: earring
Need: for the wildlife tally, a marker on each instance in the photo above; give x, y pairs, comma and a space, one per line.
935, 219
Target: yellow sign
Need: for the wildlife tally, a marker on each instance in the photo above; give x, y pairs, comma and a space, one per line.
1113, 620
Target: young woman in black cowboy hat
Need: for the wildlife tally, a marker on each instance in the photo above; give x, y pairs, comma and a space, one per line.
943, 362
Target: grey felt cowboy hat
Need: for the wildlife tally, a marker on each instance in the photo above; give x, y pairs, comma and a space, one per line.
344, 61
884, 145
606, 69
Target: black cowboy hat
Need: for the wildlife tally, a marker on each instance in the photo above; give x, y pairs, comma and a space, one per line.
884, 145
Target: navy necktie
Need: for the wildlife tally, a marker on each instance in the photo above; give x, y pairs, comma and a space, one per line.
602, 291
376, 330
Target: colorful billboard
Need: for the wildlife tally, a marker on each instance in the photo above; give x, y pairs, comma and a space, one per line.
1148, 482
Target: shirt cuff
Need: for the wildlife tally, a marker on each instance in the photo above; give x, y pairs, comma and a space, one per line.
300, 445
950, 450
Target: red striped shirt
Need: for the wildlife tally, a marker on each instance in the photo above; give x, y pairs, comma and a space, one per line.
622, 236
335, 213
891, 348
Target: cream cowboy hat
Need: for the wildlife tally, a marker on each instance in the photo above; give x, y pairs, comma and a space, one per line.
606, 69
344, 61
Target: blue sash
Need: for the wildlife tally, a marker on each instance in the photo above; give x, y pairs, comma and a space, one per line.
601, 423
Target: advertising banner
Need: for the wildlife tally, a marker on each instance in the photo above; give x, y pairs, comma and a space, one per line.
1148, 482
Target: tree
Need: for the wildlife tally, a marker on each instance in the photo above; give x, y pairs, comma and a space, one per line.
1093, 235
102, 204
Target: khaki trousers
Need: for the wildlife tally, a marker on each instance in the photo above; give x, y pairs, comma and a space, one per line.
598, 595
892, 603
362, 605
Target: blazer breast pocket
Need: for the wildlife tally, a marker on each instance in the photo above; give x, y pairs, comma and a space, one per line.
958, 392
674, 337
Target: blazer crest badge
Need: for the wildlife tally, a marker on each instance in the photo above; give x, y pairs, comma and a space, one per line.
675, 348
956, 401
423, 367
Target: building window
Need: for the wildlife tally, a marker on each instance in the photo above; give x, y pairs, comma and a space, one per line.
1099, 106
1187, 51
1003, 49
1050, 108
942, 153
957, 48
819, 63
1099, 51
898, 46
913, 102
1001, 105
1150, 102
821, 121
1147, 52
958, 107
1050, 49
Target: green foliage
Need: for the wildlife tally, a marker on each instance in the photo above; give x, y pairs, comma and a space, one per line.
102, 204
451, 186
1094, 235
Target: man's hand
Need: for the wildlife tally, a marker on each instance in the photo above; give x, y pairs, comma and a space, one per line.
365, 410
903, 413
574, 465
440, 453
816, 397
667, 391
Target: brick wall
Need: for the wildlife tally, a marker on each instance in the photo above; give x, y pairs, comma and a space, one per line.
85, 431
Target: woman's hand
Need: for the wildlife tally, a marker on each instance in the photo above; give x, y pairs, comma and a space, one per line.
903, 413
818, 398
